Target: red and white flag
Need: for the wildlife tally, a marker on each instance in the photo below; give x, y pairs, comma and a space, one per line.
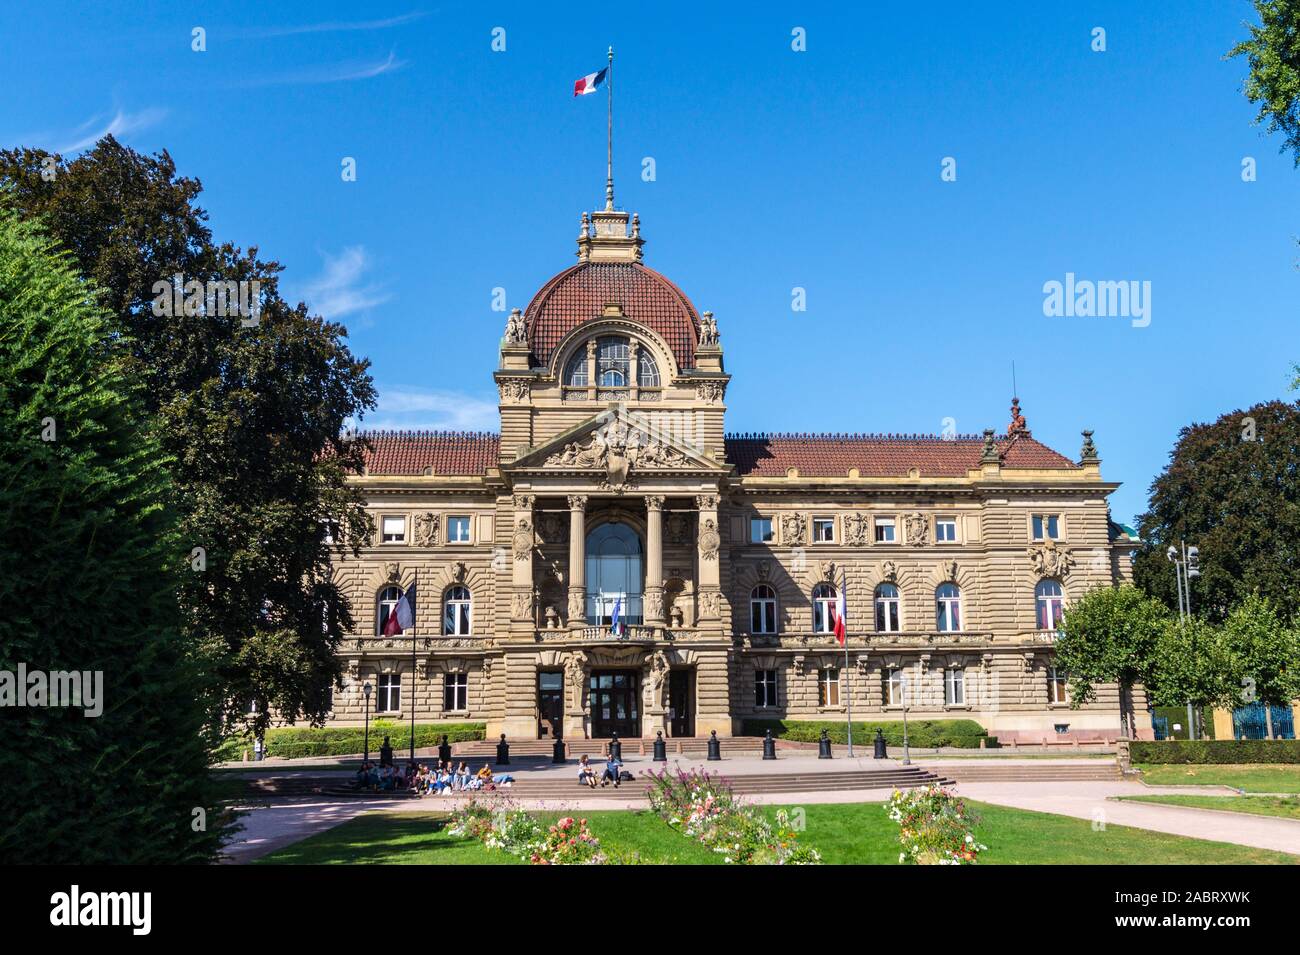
590, 82
839, 612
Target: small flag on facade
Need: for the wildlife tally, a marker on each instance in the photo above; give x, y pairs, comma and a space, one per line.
616, 624
841, 611
590, 83
405, 612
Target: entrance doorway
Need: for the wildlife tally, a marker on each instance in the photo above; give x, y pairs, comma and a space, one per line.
615, 703
550, 705
681, 702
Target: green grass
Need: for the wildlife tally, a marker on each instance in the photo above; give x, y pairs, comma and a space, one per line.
1285, 807
1259, 778
857, 833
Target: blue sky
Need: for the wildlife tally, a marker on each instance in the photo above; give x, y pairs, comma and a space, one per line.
774, 169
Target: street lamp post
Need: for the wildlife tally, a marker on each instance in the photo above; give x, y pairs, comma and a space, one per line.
907, 758
366, 691
1184, 570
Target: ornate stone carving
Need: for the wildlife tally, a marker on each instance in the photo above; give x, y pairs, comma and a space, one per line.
1088, 453
522, 607
427, 528
827, 569
990, 453
577, 502
709, 539
709, 329
577, 611
658, 678
575, 674
678, 528
710, 603
793, 529
654, 605
516, 331
711, 392
948, 570
706, 502
551, 527
1017, 425
916, 529
459, 571
618, 448
676, 617
522, 542
762, 569
524, 502
1048, 560
654, 502
393, 571
514, 391
889, 571
857, 530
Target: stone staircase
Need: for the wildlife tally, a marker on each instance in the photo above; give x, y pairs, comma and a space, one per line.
991, 772
685, 746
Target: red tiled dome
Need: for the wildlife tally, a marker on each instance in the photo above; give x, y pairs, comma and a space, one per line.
578, 294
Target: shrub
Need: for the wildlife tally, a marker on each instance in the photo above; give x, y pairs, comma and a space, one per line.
568, 842
1218, 751
502, 826
934, 827
963, 734
297, 741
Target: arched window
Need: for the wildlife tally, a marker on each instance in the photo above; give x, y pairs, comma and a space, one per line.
647, 372
612, 362
823, 600
615, 574
887, 616
575, 373
455, 611
1051, 604
947, 599
762, 609
388, 598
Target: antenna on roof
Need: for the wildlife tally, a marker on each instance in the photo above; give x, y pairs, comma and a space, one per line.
1014, 392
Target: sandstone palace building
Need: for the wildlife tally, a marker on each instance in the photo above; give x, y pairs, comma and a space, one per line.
613, 561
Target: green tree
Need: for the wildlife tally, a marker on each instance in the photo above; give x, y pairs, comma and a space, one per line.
1109, 636
1193, 663
252, 415
1267, 649
1232, 488
1273, 55
88, 578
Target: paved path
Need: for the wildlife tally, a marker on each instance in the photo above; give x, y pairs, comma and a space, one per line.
267, 827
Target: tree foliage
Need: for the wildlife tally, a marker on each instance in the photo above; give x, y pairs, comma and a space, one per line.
1232, 488
88, 578
251, 415
1266, 649
1192, 663
1273, 55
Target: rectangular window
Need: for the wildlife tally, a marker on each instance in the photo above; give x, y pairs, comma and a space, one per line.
394, 530
389, 697
760, 530
829, 687
894, 687
457, 529
1056, 682
765, 688
823, 530
884, 530
455, 691
954, 687
1047, 527
945, 529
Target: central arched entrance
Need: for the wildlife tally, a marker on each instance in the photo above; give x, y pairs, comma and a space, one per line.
615, 574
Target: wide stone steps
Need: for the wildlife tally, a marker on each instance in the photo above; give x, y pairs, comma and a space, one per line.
686, 746
1025, 773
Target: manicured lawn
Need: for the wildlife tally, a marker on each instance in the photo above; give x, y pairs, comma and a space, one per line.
1287, 807
1259, 778
858, 833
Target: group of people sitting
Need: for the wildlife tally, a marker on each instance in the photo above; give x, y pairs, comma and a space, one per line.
613, 772
441, 780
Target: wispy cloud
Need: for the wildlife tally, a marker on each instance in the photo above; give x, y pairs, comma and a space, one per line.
329, 27
402, 408
332, 73
121, 124
341, 288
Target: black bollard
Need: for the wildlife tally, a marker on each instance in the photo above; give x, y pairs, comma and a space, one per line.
557, 751
661, 748
769, 746
444, 751
503, 752
880, 745
824, 746
715, 747
615, 747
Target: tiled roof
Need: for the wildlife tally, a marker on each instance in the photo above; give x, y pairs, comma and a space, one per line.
880, 455
580, 293
457, 453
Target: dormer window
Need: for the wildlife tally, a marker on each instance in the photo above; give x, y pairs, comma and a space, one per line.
612, 362
616, 362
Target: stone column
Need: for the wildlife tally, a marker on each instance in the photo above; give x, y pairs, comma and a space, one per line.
707, 573
654, 560
522, 616
577, 561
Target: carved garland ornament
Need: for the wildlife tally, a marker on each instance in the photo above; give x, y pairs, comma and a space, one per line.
514, 391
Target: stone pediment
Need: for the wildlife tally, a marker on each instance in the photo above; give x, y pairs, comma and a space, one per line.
617, 445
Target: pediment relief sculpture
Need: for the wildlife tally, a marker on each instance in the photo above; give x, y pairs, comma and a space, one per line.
1049, 560
618, 448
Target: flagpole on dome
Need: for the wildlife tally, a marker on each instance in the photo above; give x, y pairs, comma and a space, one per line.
609, 157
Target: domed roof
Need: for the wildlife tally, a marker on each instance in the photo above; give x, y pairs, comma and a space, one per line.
580, 294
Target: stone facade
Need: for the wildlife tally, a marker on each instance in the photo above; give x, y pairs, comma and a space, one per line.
613, 393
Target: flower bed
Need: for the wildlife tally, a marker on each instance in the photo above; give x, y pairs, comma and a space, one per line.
499, 825
703, 807
934, 827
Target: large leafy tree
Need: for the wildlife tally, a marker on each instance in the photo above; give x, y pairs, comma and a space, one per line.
1193, 663
1267, 651
1109, 635
1232, 488
88, 578
252, 416
1273, 54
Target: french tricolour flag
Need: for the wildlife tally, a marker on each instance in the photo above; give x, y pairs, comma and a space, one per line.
590, 83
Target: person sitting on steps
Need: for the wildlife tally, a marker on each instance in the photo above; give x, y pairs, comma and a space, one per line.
613, 768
